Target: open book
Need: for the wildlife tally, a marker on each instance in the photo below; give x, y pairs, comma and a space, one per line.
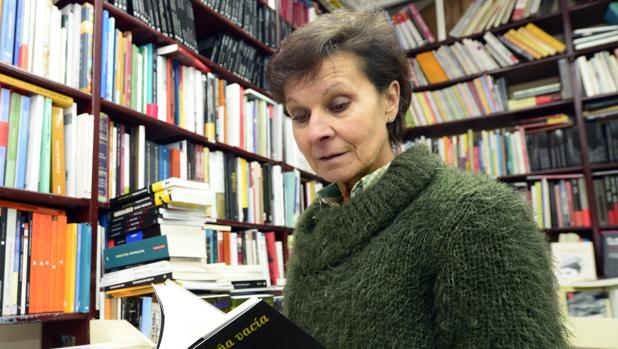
190, 322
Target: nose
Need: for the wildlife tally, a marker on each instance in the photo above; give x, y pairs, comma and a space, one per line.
320, 127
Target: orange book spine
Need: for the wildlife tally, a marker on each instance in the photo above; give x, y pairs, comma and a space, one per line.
52, 289
35, 265
61, 265
175, 163
516, 39
227, 259
70, 258
431, 67
46, 255
58, 168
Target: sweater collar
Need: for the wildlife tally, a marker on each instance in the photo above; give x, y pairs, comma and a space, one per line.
328, 235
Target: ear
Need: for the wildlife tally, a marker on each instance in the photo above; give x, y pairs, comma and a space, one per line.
391, 105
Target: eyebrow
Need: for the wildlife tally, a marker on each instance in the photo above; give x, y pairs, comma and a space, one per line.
290, 99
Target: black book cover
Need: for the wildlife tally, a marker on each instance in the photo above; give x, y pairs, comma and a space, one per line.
3, 214
599, 197
191, 175
163, 14
27, 249
610, 253
552, 207
19, 243
267, 178
260, 326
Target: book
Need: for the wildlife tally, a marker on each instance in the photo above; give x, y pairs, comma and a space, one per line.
573, 261
191, 322
58, 99
610, 253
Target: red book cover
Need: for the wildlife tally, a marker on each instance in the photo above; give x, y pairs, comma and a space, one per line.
226, 248
545, 99
175, 163
120, 159
273, 266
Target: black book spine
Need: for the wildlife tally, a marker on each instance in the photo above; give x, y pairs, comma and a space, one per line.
163, 14
140, 224
3, 213
133, 216
139, 282
19, 249
28, 249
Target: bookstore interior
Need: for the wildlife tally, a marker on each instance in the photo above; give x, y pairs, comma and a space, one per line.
143, 160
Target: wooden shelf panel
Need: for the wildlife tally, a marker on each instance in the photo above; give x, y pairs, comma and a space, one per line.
18, 73
599, 97
516, 24
209, 18
609, 227
558, 171
143, 33
568, 230
520, 66
492, 121
45, 317
245, 225
604, 167
42, 199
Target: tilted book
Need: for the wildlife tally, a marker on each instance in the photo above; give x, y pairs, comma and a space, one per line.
190, 322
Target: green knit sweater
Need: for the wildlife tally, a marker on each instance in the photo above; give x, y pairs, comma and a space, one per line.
427, 257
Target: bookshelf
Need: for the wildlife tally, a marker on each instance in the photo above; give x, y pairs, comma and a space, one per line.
571, 15
88, 209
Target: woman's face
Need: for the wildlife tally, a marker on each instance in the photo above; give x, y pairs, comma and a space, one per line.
339, 120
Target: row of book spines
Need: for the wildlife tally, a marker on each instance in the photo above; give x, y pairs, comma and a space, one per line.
599, 74
560, 204
603, 141
502, 152
26, 41
484, 15
130, 169
168, 17
37, 145
247, 248
479, 97
295, 12
606, 194
258, 20
45, 262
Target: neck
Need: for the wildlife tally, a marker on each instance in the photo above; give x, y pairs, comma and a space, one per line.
345, 188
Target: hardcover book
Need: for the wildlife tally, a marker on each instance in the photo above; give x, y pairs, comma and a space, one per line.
190, 322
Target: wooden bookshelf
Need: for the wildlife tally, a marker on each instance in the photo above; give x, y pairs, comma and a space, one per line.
609, 227
560, 23
88, 210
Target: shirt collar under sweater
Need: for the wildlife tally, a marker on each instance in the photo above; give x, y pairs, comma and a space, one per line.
331, 195
370, 212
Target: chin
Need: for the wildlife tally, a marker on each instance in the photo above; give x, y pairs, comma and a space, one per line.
335, 176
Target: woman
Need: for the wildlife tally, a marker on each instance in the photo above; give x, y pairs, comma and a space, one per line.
399, 251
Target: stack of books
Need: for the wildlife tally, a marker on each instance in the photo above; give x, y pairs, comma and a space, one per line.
162, 222
601, 108
603, 141
483, 15
533, 93
599, 74
531, 42
599, 34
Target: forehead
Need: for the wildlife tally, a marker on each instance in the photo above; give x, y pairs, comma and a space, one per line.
340, 68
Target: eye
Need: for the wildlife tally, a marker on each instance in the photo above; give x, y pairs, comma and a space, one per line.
339, 105
300, 115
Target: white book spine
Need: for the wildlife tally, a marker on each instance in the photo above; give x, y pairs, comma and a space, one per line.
37, 105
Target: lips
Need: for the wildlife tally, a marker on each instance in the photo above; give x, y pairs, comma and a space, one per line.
330, 156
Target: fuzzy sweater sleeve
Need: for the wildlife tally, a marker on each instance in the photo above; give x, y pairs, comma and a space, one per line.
494, 285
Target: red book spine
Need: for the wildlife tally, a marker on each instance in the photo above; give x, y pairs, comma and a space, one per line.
420, 23
273, 266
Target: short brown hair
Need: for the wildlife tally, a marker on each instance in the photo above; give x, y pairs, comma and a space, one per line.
364, 34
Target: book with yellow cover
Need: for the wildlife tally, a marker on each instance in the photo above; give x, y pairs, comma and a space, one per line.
515, 39
550, 40
57, 98
57, 138
535, 41
430, 66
